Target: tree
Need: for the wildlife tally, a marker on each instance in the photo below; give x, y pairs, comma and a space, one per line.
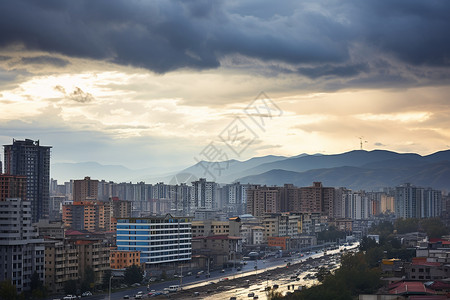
106, 278
88, 279
8, 290
331, 234
322, 273
37, 289
133, 274
367, 243
70, 287
406, 225
434, 227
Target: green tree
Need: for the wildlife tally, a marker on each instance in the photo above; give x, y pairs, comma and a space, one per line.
406, 225
133, 274
434, 227
88, 279
322, 273
8, 290
367, 243
331, 234
70, 287
383, 229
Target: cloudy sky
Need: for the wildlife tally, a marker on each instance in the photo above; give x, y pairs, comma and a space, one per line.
160, 84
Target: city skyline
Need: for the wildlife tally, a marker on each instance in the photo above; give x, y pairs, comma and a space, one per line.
150, 85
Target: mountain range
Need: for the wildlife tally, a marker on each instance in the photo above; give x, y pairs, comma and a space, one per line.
358, 169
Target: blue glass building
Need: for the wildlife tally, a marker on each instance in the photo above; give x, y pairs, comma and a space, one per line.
160, 239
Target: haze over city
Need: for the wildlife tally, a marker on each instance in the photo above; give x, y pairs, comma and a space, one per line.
151, 84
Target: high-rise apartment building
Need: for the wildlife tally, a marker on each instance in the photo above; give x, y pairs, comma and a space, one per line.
90, 215
263, 200
417, 202
203, 195
317, 198
21, 251
85, 189
28, 158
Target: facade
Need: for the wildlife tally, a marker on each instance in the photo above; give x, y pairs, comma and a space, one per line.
252, 234
50, 229
85, 189
417, 202
92, 253
61, 264
220, 249
21, 251
13, 186
124, 259
160, 239
89, 215
281, 242
204, 195
263, 200
317, 199
28, 158
211, 227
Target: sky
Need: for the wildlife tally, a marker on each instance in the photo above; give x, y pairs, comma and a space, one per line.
163, 84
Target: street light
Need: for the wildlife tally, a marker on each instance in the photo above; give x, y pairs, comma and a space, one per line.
109, 294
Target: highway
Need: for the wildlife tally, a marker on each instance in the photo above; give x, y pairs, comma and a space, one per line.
192, 282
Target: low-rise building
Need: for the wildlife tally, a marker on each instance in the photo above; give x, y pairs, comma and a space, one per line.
220, 249
120, 259
211, 227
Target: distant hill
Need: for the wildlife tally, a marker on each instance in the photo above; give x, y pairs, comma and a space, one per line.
230, 169
357, 169
435, 175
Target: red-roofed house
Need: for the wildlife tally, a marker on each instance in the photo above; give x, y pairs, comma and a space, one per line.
405, 288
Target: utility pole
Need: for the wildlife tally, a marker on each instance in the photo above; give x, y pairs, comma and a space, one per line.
109, 294
181, 278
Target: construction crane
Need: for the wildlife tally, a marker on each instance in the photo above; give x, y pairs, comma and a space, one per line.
361, 142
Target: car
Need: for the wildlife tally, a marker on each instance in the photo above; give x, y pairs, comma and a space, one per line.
223, 279
174, 288
238, 269
70, 297
189, 274
222, 271
251, 294
126, 297
233, 298
196, 294
255, 297
138, 296
156, 294
275, 286
86, 294
136, 284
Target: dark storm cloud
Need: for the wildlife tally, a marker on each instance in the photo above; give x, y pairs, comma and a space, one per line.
318, 38
45, 60
340, 71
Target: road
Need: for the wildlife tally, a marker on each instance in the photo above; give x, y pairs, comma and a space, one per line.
192, 282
